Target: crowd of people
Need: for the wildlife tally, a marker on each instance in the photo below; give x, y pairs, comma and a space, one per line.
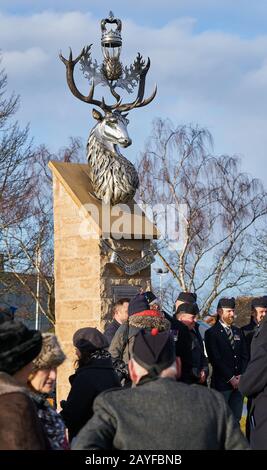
150, 381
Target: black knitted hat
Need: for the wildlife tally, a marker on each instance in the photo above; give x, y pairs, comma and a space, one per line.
259, 302
18, 346
190, 308
226, 303
154, 351
190, 297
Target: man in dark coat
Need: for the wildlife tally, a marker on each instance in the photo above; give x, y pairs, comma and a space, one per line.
258, 312
182, 338
227, 351
159, 413
120, 316
253, 384
182, 343
187, 314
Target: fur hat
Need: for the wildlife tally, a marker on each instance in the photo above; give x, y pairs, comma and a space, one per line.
154, 351
89, 339
226, 303
18, 346
51, 355
138, 304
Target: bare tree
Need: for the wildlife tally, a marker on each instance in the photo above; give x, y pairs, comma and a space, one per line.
258, 259
17, 179
28, 244
26, 212
222, 204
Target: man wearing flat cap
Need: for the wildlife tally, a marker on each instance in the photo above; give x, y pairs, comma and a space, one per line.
227, 351
159, 413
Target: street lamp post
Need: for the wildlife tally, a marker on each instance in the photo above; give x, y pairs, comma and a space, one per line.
38, 261
161, 272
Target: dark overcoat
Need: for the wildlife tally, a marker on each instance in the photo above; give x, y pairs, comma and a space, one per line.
249, 331
183, 348
87, 382
161, 414
253, 384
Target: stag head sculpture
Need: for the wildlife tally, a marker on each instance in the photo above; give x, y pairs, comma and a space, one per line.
113, 178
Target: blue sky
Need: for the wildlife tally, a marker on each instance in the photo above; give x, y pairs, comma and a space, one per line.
208, 57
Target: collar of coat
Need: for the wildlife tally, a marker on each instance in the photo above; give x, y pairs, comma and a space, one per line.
9, 385
148, 319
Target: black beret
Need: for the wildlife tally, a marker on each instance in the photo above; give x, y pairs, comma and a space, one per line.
190, 297
191, 308
18, 346
89, 339
150, 297
226, 303
138, 304
154, 351
259, 302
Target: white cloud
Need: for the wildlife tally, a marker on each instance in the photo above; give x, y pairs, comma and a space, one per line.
26, 64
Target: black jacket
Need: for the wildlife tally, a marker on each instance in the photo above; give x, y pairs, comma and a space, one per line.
249, 331
86, 384
199, 360
225, 360
111, 329
183, 348
253, 384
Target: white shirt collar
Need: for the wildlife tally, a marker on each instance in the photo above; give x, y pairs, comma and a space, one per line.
226, 327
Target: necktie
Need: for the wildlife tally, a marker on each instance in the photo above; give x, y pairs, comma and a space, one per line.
230, 336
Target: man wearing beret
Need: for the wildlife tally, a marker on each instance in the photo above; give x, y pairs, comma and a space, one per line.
227, 351
159, 413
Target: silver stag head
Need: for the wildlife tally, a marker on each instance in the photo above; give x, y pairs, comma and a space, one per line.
111, 129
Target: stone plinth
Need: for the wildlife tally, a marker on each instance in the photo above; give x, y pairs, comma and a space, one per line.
86, 282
